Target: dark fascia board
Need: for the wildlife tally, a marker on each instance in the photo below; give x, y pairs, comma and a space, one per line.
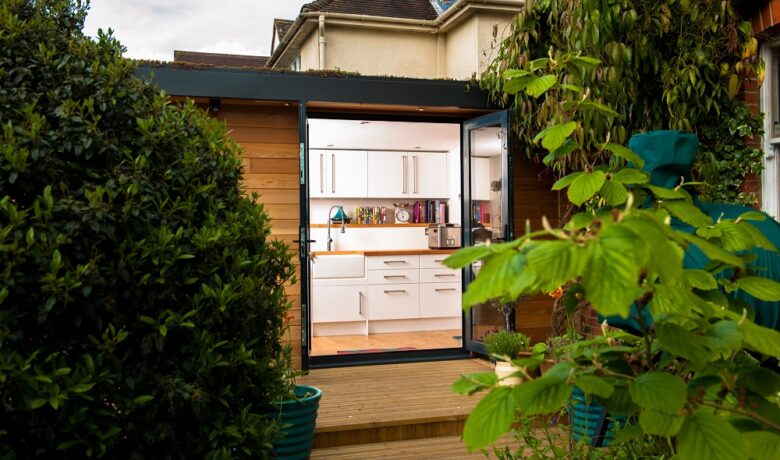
305, 87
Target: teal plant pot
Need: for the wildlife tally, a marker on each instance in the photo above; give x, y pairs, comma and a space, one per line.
298, 418
590, 421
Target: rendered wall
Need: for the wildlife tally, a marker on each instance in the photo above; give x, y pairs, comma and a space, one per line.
463, 50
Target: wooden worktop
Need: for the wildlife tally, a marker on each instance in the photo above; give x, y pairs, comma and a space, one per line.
386, 252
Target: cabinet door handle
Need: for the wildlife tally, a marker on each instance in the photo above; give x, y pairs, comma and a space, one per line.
394, 261
438, 261
445, 289
333, 173
390, 291
360, 303
441, 275
416, 175
322, 173
394, 276
405, 160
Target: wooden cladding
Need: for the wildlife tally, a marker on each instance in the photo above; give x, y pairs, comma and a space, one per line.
269, 136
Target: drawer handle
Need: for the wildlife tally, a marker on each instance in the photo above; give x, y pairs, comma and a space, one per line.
395, 261
438, 261
445, 289
440, 275
394, 276
360, 303
391, 291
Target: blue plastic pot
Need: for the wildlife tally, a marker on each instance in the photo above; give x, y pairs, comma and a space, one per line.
590, 421
298, 418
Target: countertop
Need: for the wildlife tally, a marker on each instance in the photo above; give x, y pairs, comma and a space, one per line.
386, 252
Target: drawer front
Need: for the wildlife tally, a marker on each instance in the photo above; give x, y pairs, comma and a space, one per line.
393, 262
440, 275
394, 276
432, 260
335, 304
393, 301
440, 300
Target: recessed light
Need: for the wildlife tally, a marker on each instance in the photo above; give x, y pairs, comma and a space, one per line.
286, 104
420, 109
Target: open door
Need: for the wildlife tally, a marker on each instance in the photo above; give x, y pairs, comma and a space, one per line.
487, 213
304, 237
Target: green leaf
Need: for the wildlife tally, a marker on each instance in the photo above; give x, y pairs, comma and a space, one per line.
630, 176
761, 339
667, 193
585, 186
620, 403
725, 337
564, 150
687, 213
659, 391
466, 256
554, 136
760, 288
540, 85
561, 371
752, 215
614, 193
470, 384
712, 251
542, 396
626, 154
585, 61
579, 221
598, 107
163, 329
565, 181
700, 279
517, 84
592, 385
147, 319
556, 262
490, 419
611, 276
143, 399
761, 381
38, 402
659, 423
496, 278
764, 445
705, 436
514, 73
81, 387
682, 342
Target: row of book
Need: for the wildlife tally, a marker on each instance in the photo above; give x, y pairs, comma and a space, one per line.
370, 215
430, 212
480, 212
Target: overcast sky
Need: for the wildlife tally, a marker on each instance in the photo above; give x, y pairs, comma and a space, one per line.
152, 29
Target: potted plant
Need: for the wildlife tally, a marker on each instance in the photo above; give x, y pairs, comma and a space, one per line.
504, 346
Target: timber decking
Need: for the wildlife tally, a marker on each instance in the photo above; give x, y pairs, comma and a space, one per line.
447, 447
394, 402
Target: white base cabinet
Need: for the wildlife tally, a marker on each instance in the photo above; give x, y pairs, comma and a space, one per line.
393, 301
440, 300
338, 304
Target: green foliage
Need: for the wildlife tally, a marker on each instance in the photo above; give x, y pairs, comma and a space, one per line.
141, 298
667, 64
689, 383
505, 343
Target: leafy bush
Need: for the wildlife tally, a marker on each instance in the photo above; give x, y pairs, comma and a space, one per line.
505, 343
667, 64
142, 296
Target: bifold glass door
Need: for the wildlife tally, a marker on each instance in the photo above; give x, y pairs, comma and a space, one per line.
487, 212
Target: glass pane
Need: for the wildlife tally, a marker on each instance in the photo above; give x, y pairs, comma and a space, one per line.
487, 214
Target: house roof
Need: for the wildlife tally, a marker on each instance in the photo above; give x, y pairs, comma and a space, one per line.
282, 26
218, 59
406, 9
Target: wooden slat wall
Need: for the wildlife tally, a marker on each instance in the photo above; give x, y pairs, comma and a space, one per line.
532, 200
269, 136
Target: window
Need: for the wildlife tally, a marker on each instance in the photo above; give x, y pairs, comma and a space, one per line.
296, 65
770, 105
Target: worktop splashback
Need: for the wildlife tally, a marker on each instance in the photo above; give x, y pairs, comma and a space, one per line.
370, 238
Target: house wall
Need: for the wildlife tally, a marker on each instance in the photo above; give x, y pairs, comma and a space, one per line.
533, 198
269, 137
310, 53
491, 28
463, 49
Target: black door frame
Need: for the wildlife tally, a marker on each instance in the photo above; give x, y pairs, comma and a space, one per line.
501, 119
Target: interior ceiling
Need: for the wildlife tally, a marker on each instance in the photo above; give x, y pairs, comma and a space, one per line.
383, 135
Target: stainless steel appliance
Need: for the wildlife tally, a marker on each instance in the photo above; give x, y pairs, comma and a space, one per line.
443, 236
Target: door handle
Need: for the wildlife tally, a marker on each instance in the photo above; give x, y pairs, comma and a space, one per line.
445, 289
360, 303
391, 291
416, 175
322, 173
404, 174
333, 173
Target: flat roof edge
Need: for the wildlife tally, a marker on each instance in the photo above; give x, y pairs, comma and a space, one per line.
330, 87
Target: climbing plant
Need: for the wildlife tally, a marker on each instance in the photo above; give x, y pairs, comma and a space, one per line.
666, 64
700, 380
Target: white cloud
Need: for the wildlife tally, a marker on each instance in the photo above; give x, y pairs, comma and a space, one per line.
152, 29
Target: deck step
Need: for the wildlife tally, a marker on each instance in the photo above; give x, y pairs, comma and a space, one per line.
391, 403
435, 448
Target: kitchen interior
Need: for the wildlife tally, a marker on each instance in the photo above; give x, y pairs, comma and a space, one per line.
385, 210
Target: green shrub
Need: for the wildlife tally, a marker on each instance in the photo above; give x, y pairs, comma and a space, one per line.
505, 343
141, 301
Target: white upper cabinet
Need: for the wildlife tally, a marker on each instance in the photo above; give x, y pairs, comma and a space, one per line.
428, 175
480, 179
387, 174
337, 173
418, 175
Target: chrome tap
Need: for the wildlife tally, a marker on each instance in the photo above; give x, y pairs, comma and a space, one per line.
343, 223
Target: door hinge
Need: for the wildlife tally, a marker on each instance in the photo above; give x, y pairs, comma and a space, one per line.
303, 163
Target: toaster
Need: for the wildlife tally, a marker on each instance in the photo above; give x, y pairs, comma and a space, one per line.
443, 236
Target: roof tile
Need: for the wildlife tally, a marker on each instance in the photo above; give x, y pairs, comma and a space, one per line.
405, 9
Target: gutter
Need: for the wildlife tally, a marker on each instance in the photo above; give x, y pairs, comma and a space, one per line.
440, 24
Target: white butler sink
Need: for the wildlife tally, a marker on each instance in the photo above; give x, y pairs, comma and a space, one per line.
338, 266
